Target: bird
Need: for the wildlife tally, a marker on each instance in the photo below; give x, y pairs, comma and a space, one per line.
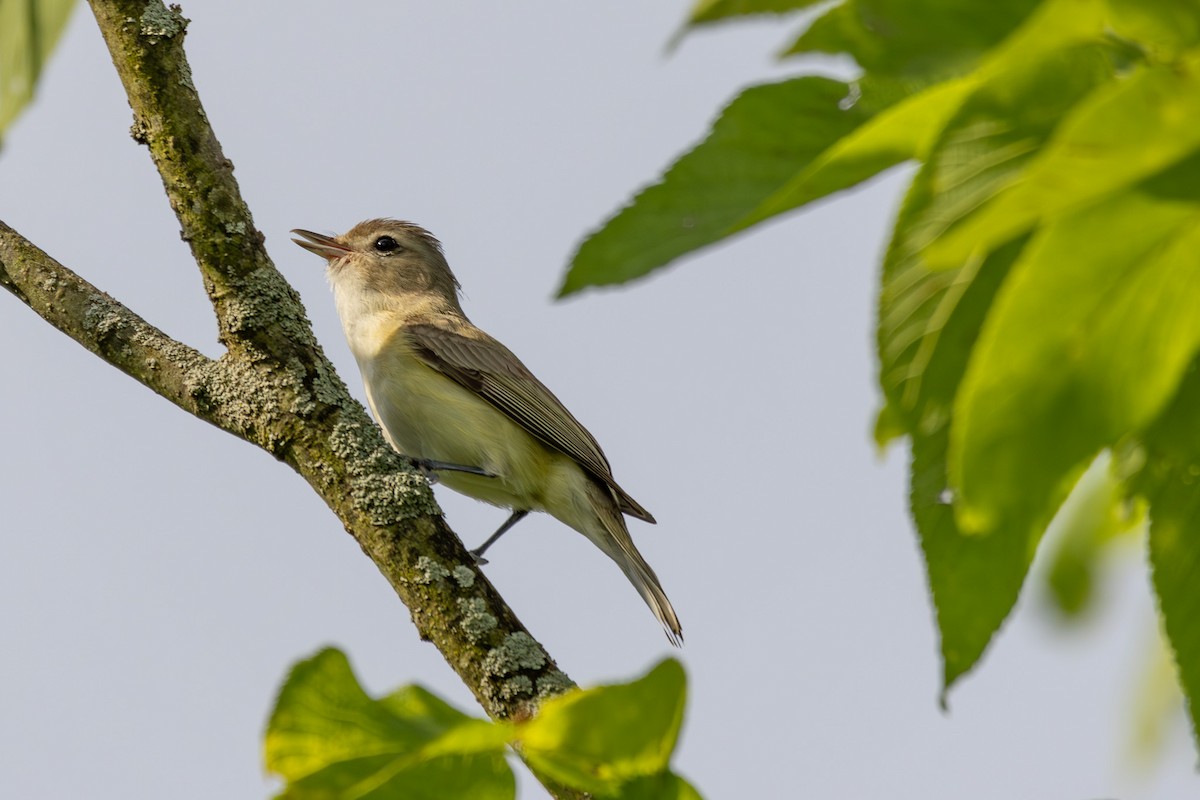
460, 404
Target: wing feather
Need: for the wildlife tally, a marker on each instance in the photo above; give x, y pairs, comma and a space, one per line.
492, 371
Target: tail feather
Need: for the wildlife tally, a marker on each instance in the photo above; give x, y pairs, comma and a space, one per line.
620, 548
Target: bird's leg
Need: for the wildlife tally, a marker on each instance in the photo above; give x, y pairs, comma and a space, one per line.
430, 468
513, 519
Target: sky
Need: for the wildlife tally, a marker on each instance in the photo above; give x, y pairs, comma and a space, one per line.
158, 577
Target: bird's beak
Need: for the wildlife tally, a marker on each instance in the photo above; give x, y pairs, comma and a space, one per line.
324, 246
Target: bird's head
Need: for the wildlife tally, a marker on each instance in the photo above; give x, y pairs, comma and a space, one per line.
388, 256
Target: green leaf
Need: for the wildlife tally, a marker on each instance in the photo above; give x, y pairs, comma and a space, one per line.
973, 580
598, 739
1093, 516
763, 138
899, 133
1091, 519
29, 30
328, 739
1164, 27
1086, 342
997, 133
1170, 481
663, 786
1127, 131
993, 134
1157, 702
888, 427
929, 323
780, 146
930, 39
705, 11
1054, 25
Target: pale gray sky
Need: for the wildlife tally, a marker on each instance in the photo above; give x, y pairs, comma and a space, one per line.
157, 577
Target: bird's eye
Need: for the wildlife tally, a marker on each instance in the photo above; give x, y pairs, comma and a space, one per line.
386, 244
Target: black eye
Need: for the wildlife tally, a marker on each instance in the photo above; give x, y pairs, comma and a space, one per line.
386, 244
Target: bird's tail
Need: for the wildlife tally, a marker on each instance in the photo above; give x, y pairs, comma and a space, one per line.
620, 548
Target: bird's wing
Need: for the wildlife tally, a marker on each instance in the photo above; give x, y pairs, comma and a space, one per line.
490, 369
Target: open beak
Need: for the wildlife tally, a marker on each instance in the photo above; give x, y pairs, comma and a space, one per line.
324, 246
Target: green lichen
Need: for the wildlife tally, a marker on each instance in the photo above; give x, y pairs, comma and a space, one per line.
302, 401
175, 354
553, 682
185, 80
430, 571
517, 686
261, 301
159, 22
518, 651
380, 486
102, 317
465, 576
242, 397
327, 387
477, 622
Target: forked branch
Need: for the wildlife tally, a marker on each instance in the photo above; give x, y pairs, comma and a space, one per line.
274, 387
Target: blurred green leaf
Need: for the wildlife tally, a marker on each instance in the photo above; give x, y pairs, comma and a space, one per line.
1170, 481
1131, 129
1093, 517
705, 11
29, 30
1164, 27
1156, 703
1054, 25
329, 740
931, 39
598, 739
888, 427
663, 786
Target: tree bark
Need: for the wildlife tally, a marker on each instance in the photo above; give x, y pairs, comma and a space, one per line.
274, 386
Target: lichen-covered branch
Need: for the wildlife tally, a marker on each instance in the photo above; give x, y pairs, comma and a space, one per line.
98, 322
319, 430
274, 387
255, 306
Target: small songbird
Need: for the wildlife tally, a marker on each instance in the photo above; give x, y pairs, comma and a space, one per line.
460, 404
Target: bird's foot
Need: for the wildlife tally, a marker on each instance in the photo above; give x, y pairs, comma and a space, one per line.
513, 519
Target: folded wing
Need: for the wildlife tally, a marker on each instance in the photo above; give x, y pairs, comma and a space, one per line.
492, 371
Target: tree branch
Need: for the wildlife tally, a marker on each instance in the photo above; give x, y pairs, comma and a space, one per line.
98, 322
255, 306
274, 387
